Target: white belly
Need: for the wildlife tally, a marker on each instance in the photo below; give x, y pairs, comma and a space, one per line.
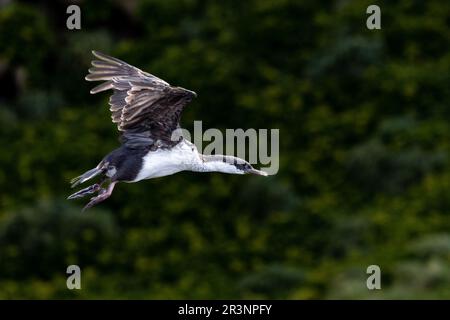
164, 162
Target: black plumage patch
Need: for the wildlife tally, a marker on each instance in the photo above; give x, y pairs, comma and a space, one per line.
127, 162
243, 166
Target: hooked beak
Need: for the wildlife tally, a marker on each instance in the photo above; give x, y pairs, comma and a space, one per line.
257, 172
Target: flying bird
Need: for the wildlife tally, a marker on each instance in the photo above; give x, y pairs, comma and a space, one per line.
147, 111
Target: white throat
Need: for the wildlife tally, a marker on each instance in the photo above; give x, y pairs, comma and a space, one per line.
217, 166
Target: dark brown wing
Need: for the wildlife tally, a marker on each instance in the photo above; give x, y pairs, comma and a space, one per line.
145, 108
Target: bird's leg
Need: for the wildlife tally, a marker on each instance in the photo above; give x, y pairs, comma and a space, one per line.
89, 190
102, 195
84, 192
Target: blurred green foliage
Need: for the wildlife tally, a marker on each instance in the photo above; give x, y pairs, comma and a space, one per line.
364, 144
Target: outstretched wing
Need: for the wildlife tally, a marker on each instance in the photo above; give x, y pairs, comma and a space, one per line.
145, 108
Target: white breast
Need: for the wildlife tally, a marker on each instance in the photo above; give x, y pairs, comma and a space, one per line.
164, 162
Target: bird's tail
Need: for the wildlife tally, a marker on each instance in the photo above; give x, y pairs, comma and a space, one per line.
86, 176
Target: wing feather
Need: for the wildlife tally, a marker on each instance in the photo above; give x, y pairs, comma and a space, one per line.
145, 108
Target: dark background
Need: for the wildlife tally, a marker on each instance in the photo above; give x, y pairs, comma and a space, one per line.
364, 144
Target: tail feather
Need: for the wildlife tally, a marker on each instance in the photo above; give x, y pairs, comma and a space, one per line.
86, 176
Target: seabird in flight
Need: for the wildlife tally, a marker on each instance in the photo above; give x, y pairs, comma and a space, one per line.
147, 111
